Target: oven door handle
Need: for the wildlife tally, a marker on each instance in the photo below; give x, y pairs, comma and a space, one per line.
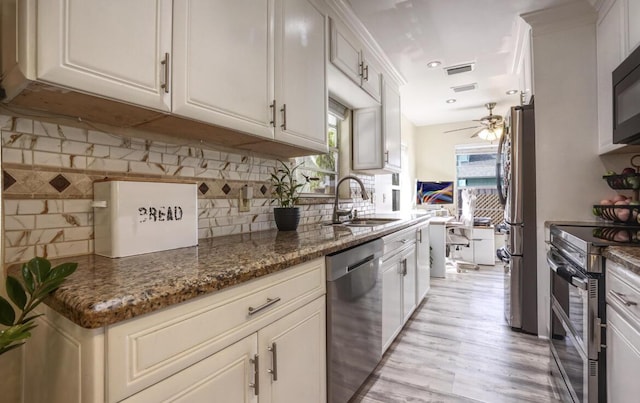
562, 269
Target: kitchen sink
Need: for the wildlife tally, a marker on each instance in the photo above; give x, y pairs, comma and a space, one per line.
366, 222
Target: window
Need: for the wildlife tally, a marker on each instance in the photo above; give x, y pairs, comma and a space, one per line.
476, 170
324, 167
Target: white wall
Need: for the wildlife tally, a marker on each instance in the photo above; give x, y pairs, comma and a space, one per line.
568, 169
435, 150
408, 175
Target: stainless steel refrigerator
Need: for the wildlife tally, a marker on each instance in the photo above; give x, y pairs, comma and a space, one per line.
516, 175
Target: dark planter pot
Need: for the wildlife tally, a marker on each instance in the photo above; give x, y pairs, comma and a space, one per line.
287, 218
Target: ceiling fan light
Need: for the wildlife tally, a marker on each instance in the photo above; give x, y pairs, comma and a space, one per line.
490, 134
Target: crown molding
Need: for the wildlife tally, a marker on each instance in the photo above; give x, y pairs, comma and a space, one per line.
522, 34
345, 13
560, 18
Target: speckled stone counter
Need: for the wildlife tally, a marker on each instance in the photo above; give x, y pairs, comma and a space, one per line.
104, 291
627, 256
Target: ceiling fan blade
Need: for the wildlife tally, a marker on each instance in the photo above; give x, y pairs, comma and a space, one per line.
463, 128
476, 133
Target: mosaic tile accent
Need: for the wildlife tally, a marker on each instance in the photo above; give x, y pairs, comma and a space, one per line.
59, 183
7, 180
45, 215
203, 188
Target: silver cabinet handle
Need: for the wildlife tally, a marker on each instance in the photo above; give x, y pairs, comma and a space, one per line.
420, 235
273, 113
404, 267
386, 156
623, 298
284, 117
270, 301
256, 374
274, 362
366, 73
404, 240
165, 64
361, 69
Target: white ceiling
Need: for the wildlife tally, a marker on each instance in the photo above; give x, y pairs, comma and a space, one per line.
415, 32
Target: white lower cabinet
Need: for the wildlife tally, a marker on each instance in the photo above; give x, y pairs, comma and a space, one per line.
292, 357
623, 333
229, 346
423, 262
398, 270
226, 376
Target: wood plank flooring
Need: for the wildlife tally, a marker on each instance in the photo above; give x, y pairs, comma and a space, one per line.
458, 348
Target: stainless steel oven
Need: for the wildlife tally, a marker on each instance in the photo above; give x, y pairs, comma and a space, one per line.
577, 314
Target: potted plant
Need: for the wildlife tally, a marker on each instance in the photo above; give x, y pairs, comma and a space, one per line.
39, 280
285, 190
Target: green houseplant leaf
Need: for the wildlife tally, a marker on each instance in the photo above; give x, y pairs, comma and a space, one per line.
39, 280
16, 292
7, 314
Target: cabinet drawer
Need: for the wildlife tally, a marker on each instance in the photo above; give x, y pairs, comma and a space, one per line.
483, 233
395, 242
145, 350
623, 292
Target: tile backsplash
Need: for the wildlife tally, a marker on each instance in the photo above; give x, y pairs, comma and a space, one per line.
48, 173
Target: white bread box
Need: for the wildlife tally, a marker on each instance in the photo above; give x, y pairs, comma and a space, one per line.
134, 217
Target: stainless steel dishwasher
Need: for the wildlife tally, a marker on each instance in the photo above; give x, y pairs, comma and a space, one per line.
354, 318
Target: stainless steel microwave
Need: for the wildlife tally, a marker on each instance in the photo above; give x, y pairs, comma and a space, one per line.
626, 100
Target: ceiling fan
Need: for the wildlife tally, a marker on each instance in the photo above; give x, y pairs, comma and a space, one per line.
491, 126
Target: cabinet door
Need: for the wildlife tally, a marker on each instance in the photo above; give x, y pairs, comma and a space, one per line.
293, 357
344, 54
391, 126
391, 301
633, 24
609, 55
109, 48
222, 377
371, 78
301, 81
409, 284
623, 358
367, 139
223, 63
423, 263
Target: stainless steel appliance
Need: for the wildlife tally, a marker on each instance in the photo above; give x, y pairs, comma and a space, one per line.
354, 318
577, 328
515, 172
626, 100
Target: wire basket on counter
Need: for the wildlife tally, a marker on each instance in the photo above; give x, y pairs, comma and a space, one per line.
618, 234
623, 181
622, 214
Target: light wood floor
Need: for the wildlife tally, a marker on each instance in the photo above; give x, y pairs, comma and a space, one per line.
457, 348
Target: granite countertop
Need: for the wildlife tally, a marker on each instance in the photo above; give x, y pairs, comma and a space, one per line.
627, 256
104, 291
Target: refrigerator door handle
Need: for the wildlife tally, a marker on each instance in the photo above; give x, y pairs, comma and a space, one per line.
502, 197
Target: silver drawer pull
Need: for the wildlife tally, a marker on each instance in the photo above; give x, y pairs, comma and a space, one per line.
274, 370
623, 298
256, 374
270, 301
404, 240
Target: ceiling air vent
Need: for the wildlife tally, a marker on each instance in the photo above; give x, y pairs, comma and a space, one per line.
466, 87
461, 68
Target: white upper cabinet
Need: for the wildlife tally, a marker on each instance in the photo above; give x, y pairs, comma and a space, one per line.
348, 55
609, 55
371, 77
118, 49
376, 135
633, 24
391, 127
300, 71
223, 63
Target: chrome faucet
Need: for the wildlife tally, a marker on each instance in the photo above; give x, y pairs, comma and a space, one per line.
337, 213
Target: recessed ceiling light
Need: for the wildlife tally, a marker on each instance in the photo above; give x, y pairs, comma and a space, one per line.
451, 101
434, 63
511, 92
